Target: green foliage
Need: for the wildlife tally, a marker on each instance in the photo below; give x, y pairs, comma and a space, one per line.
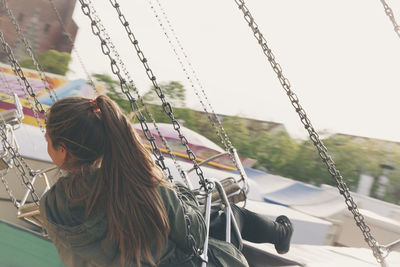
174, 92
114, 92
307, 166
238, 134
51, 61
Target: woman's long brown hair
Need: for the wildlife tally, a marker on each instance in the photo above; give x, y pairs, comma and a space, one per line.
96, 133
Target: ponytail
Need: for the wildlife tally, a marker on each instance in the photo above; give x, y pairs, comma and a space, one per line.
131, 179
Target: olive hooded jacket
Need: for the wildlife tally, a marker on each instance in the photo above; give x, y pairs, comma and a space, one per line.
84, 243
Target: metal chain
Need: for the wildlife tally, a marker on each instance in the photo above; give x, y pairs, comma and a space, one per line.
167, 108
30, 52
184, 68
134, 88
21, 78
213, 118
20, 164
16, 158
26, 88
322, 150
3, 174
64, 29
18, 71
8, 189
389, 13
124, 87
35, 114
31, 105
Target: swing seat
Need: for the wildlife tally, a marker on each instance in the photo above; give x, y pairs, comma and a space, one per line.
30, 212
10, 116
233, 191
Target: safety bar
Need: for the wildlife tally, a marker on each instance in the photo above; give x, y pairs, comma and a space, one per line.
18, 106
207, 221
12, 116
208, 160
241, 169
230, 219
392, 246
242, 173
229, 216
387, 249
4, 155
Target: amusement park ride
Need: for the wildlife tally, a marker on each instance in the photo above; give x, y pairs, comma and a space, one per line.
212, 190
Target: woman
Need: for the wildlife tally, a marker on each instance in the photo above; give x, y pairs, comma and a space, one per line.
114, 208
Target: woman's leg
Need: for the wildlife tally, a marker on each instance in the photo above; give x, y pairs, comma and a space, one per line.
255, 228
218, 225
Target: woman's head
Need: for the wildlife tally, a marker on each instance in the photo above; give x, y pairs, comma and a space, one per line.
94, 133
75, 132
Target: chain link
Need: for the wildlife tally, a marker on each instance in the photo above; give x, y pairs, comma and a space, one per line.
18, 71
389, 13
8, 189
30, 52
167, 108
28, 100
322, 150
64, 29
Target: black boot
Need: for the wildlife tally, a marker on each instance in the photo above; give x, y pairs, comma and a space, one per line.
286, 231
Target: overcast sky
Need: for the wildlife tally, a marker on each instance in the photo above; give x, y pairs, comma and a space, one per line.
342, 58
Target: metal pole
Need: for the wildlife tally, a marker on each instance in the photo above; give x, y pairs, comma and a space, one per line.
207, 221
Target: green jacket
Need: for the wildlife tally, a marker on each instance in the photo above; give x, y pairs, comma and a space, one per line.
85, 244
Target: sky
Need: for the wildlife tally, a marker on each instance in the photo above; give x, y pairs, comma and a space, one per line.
341, 57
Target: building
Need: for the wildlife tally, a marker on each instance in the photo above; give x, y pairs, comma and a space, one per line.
267, 126
38, 22
389, 147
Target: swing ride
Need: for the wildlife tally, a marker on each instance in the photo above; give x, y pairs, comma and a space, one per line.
210, 188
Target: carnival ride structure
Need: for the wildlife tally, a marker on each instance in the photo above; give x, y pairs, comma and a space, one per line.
211, 191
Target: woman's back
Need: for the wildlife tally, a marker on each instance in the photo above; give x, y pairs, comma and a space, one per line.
83, 242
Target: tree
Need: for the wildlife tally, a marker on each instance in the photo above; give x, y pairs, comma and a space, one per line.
273, 151
51, 61
114, 92
307, 166
174, 92
238, 134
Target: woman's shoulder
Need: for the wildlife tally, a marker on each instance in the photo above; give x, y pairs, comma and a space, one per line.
173, 191
56, 207
167, 193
